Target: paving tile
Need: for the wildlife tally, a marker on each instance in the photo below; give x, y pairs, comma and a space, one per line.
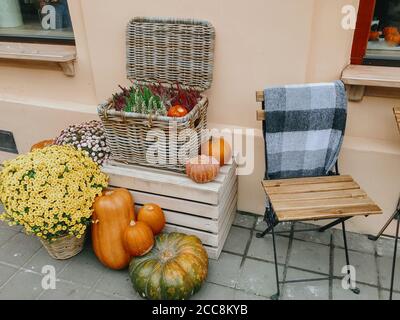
6, 234
23, 286
385, 295
224, 271
211, 291
310, 256
365, 265
103, 296
385, 247
258, 278
237, 240
41, 259
385, 272
312, 236
116, 283
19, 249
83, 268
356, 242
241, 295
366, 292
263, 248
4, 224
261, 225
65, 291
5, 273
312, 290
244, 220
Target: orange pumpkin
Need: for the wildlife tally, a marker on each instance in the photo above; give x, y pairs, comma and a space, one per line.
219, 149
153, 216
138, 239
393, 39
42, 144
113, 212
374, 35
177, 111
202, 169
390, 30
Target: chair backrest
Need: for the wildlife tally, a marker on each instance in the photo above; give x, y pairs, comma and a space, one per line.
303, 128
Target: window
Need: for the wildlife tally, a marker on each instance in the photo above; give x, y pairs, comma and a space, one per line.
45, 21
377, 35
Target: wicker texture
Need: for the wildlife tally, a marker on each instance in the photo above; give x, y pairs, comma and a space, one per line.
130, 142
170, 51
166, 51
64, 248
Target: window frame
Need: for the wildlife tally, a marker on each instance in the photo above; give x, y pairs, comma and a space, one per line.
361, 36
38, 40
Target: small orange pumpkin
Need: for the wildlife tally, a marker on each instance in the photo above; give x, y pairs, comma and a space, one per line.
374, 35
42, 144
138, 239
393, 39
177, 111
219, 149
390, 30
153, 216
202, 169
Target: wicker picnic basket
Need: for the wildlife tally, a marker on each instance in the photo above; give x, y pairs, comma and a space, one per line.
164, 51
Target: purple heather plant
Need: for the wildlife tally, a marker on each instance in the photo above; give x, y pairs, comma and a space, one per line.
88, 136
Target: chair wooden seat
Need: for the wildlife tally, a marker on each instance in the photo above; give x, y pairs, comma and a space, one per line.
318, 198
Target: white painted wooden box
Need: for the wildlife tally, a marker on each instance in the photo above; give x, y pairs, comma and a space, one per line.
204, 210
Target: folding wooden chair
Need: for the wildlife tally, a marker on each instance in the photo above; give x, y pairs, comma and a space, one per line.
311, 199
395, 216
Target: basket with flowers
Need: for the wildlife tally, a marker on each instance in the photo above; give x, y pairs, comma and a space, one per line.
50, 192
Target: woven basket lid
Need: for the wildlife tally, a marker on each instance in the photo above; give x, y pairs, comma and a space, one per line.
170, 51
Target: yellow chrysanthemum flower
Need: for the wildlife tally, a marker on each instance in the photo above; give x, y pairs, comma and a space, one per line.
50, 192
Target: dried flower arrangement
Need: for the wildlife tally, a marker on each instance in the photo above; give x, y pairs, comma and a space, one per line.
154, 99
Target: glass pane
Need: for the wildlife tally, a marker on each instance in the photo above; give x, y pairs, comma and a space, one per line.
37, 19
384, 41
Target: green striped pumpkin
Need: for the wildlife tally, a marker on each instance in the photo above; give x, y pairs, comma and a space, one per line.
175, 268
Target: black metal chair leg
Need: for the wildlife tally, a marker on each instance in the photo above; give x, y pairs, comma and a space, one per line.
394, 259
278, 292
355, 290
263, 234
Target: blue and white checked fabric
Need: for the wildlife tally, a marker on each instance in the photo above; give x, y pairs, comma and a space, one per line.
304, 128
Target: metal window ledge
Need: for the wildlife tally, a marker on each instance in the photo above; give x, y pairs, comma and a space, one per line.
63, 55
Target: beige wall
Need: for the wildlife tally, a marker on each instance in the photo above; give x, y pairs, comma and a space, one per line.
259, 43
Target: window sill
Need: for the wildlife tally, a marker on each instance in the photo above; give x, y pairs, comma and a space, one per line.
63, 55
374, 81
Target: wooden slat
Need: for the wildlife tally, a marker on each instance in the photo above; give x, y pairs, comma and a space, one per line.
317, 187
320, 204
352, 193
166, 184
260, 96
261, 116
332, 213
301, 181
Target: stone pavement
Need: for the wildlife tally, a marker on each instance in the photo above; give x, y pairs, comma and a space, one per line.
245, 269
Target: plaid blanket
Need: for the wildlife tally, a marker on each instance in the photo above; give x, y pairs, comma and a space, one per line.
304, 129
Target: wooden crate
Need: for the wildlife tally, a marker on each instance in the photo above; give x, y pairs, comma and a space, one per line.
204, 210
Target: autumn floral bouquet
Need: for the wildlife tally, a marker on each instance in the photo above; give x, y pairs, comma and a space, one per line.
50, 192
